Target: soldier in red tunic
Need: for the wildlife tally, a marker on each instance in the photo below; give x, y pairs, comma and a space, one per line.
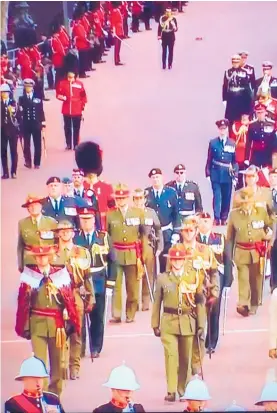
72, 92
117, 29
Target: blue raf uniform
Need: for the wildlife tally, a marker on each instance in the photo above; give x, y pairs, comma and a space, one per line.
166, 207
102, 256
63, 207
188, 193
221, 168
32, 120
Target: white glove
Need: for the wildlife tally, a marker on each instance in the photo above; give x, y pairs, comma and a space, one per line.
105, 33
224, 103
109, 292
158, 253
209, 178
175, 239
246, 163
226, 291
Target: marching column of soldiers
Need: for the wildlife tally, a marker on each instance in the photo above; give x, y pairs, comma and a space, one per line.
80, 240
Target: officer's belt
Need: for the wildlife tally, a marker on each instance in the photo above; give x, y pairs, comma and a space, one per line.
186, 212
177, 311
50, 312
96, 269
166, 227
236, 89
259, 246
225, 165
128, 246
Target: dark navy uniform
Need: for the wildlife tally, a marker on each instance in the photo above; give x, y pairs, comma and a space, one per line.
261, 143
9, 132
251, 73
221, 167
27, 402
217, 243
102, 255
66, 209
189, 197
166, 207
166, 31
116, 407
236, 92
32, 121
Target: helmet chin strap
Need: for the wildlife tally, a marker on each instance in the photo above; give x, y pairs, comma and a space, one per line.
176, 268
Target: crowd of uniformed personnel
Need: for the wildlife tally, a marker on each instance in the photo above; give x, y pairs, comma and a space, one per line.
84, 236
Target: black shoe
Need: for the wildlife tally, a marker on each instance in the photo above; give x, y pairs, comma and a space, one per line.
171, 397
145, 308
149, 28
223, 222
37, 166
115, 320
5, 176
217, 222
27, 165
119, 64
46, 99
68, 148
105, 54
95, 355
210, 350
243, 310
164, 67
14, 175
129, 320
101, 61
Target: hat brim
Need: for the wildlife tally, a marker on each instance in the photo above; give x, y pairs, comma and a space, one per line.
260, 402
63, 229
183, 398
86, 216
20, 378
175, 258
38, 201
39, 254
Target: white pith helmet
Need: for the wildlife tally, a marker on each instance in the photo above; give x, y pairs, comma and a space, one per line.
122, 378
32, 367
269, 393
196, 390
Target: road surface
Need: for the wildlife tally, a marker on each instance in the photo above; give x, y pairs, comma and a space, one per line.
145, 117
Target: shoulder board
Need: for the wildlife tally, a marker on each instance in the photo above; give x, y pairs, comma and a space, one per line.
36, 100
192, 182
170, 183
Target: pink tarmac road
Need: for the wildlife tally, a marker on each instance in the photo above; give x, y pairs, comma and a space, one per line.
145, 117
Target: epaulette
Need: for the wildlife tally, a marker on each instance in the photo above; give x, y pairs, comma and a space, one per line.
189, 181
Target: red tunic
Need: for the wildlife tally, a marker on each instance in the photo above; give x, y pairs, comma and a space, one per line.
73, 95
117, 22
239, 135
80, 36
35, 56
137, 8
104, 194
58, 52
64, 38
23, 59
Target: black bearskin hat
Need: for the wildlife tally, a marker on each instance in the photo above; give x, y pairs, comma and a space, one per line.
116, 4
70, 63
94, 5
88, 156
25, 37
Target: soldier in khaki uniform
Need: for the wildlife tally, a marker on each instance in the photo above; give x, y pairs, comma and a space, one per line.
46, 311
263, 195
249, 225
211, 282
36, 229
153, 244
180, 291
125, 227
77, 261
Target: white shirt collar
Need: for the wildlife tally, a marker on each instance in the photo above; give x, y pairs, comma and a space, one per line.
205, 235
158, 190
57, 199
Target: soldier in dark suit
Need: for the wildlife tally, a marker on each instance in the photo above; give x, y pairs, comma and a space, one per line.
9, 131
123, 383
189, 197
32, 373
58, 206
32, 120
218, 245
221, 169
249, 68
267, 81
165, 202
236, 91
262, 141
166, 33
99, 245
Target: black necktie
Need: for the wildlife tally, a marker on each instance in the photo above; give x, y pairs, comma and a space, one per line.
157, 196
56, 206
179, 191
88, 239
78, 193
204, 239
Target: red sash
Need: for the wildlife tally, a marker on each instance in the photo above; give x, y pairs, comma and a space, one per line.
26, 405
